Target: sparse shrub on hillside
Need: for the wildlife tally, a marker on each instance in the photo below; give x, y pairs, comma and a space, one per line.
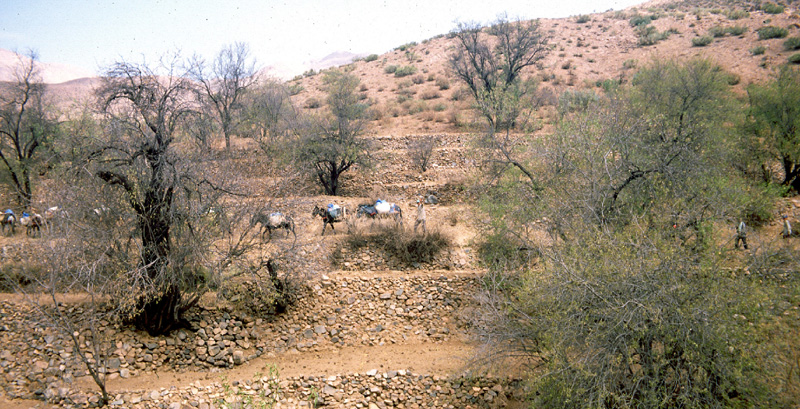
399, 243
506, 252
737, 14
415, 107
619, 15
583, 18
768, 32
575, 101
406, 46
702, 41
772, 8
440, 107
310, 73
405, 70
371, 57
791, 43
460, 94
640, 20
363, 88
443, 83
794, 59
733, 79
736, 30
405, 94
629, 64
429, 94
608, 85
259, 298
457, 118
418, 79
296, 88
404, 84
649, 35
390, 69
312, 103
759, 50
716, 31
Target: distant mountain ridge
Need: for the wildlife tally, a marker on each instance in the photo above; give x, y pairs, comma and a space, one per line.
334, 59
53, 73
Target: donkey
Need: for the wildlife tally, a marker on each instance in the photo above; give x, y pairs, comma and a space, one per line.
33, 224
329, 216
381, 208
8, 221
273, 221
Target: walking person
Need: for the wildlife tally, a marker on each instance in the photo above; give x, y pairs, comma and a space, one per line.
787, 227
420, 216
741, 235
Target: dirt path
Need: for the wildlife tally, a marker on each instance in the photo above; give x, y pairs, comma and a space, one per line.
443, 359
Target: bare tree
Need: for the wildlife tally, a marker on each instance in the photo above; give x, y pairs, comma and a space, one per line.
144, 109
269, 114
421, 151
26, 125
491, 63
330, 144
224, 83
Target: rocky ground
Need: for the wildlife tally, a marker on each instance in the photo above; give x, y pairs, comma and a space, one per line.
338, 315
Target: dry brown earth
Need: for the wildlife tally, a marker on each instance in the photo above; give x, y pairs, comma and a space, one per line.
367, 333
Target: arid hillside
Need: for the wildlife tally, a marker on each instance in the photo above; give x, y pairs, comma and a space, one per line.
370, 323
585, 52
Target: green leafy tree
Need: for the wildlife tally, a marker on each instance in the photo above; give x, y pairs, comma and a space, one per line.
27, 127
775, 120
330, 143
628, 320
589, 278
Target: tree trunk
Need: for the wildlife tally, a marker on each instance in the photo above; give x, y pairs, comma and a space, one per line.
159, 313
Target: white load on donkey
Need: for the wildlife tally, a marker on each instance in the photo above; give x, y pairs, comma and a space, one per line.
381, 208
330, 215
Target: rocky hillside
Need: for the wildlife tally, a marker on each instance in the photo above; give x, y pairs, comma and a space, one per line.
585, 52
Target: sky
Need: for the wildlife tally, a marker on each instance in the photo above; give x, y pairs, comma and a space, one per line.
90, 35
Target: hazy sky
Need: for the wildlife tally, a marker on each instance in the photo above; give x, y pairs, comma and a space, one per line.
91, 34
